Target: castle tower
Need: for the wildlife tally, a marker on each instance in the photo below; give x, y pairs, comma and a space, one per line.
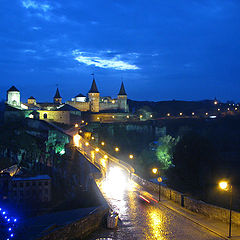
57, 98
13, 97
122, 99
32, 100
93, 96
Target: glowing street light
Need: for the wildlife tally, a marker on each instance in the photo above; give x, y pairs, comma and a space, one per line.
105, 156
193, 113
154, 170
206, 113
117, 149
82, 121
130, 156
102, 143
141, 116
76, 125
86, 143
157, 171
223, 185
226, 186
97, 149
92, 138
180, 113
168, 114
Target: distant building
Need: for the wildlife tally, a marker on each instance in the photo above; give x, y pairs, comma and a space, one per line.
23, 189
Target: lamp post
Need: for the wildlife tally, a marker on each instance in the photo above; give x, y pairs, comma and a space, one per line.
226, 186
157, 171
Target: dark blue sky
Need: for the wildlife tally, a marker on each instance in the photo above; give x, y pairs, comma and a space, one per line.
163, 50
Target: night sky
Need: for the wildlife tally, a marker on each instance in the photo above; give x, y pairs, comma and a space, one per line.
161, 49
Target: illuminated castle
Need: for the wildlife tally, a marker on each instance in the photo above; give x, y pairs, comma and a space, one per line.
96, 104
97, 108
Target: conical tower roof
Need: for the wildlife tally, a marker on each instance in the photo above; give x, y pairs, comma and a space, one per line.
13, 89
57, 94
122, 90
93, 87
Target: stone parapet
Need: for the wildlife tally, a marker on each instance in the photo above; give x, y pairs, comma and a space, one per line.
78, 229
198, 206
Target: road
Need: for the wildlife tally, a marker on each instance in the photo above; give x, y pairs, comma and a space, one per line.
141, 220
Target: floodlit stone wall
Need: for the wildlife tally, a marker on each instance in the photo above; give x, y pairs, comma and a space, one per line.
82, 106
56, 116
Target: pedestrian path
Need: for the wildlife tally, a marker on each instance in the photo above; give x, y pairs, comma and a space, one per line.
215, 226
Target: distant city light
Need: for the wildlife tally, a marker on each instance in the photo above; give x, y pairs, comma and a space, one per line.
76, 125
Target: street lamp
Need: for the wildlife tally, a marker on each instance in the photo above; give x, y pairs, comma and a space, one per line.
157, 171
226, 186
102, 143
117, 149
97, 149
130, 156
76, 125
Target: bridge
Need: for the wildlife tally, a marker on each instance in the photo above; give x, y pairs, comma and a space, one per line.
141, 215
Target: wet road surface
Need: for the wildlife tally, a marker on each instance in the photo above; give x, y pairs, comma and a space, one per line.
142, 220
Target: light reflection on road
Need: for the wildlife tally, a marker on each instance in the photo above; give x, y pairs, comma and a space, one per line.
140, 220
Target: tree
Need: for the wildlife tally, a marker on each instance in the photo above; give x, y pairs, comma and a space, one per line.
164, 151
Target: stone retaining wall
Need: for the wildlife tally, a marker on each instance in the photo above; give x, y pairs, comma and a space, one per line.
198, 206
78, 229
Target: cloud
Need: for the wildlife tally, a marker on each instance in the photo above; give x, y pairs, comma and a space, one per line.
101, 60
29, 4
36, 28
